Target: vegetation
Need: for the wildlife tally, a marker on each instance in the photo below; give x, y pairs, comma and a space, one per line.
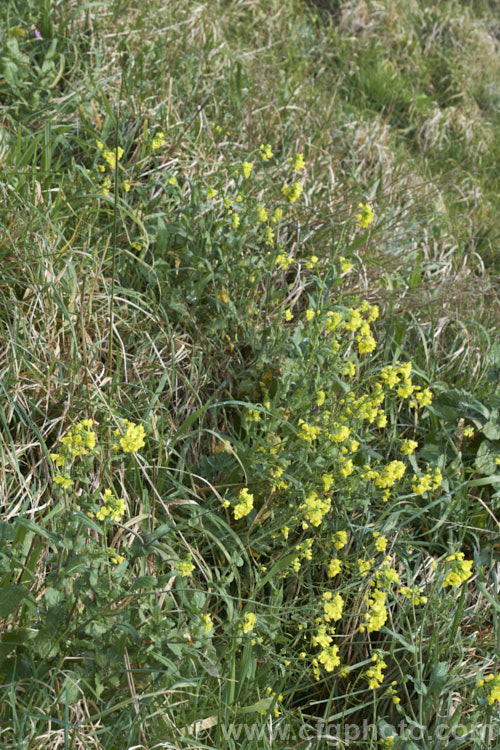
249, 366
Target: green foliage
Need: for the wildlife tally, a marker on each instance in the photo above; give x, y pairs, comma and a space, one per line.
250, 417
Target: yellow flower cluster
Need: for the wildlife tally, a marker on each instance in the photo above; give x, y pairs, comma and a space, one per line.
309, 433
158, 140
113, 507
78, 441
408, 447
414, 593
185, 567
365, 216
246, 169
244, 505
314, 508
461, 569
390, 474
133, 439
266, 152
334, 567
298, 162
431, 480
329, 657
250, 620
332, 606
494, 687
292, 192
377, 614
64, 480
207, 622
375, 673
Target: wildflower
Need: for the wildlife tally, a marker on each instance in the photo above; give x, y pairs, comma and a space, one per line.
315, 508
374, 674
113, 507
185, 567
126, 185
320, 398
408, 447
211, 193
64, 480
292, 192
266, 152
298, 163
117, 559
329, 657
310, 313
309, 433
288, 315
158, 141
246, 168
223, 295
406, 389
112, 156
250, 620
377, 615
461, 570
332, 607
235, 220
469, 431
312, 261
333, 320
345, 264
380, 542
366, 344
334, 567
366, 215
327, 481
244, 505
283, 260
133, 440
207, 622
340, 539
390, 474
79, 440
262, 214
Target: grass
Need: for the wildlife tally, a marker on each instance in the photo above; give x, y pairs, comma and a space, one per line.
167, 288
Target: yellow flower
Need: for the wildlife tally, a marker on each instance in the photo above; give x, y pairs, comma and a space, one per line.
366, 215
310, 313
292, 192
334, 567
469, 431
340, 539
298, 163
345, 264
246, 169
288, 316
64, 480
235, 221
408, 447
133, 440
250, 620
223, 296
262, 214
185, 567
126, 185
244, 505
158, 141
207, 622
266, 152
211, 192
320, 398
329, 657
283, 260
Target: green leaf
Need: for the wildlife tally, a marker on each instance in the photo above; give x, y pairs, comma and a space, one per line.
10, 597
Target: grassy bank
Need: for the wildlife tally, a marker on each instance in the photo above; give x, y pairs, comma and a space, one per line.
249, 425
